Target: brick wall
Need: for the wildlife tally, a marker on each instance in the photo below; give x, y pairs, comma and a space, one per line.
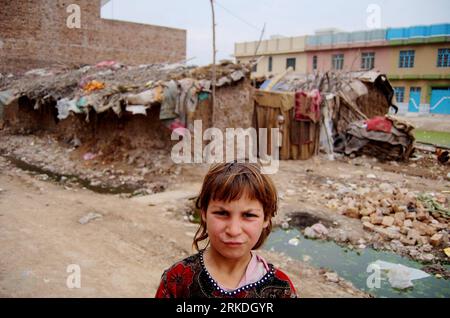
34, 33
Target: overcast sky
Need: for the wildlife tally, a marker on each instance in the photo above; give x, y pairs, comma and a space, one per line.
243, 20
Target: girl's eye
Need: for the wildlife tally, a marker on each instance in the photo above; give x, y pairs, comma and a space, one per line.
221, 213
250, 215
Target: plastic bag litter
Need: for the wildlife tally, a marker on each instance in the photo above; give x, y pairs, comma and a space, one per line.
137, 109
65, 106
400, 276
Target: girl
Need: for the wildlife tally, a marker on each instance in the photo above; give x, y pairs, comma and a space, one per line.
237, 204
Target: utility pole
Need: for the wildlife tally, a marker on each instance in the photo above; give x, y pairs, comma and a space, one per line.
214, 63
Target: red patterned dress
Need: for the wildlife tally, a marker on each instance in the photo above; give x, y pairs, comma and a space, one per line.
190, 279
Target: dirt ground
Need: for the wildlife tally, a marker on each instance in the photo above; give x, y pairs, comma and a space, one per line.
123, 253
429, 122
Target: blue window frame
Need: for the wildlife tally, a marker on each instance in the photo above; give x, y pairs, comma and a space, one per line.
337, 61
443, 58
368, 60
399, 94
406, 59
314, 62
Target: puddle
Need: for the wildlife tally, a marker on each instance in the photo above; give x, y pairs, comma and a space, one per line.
352, 264
126, 188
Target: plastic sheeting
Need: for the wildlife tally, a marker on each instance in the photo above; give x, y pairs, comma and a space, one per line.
400, 276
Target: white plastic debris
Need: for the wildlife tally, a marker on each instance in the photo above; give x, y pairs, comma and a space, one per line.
89, 217
137, 109
400, 276
294, 241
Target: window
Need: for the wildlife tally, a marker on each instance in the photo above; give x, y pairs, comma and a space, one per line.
290, 63
415, 89
337, 61
314, 62
443, 58
270, 63
406, 59
255, 68
367, 61
399, 94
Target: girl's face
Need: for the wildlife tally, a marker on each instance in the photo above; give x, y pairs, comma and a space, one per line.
234, 227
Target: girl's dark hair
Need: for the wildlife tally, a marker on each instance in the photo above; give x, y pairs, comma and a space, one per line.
228, 182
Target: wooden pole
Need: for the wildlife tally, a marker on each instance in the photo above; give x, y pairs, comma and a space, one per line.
214, 64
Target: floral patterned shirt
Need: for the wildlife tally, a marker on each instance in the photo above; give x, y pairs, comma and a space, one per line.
189, 278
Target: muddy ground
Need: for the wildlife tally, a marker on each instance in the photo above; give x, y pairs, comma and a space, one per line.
145, 211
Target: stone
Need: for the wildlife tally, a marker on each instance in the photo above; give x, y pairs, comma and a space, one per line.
424, 229
332, 277
368, 226
310, 233
399, 218
388, 233
386, 203
427, 248
448, 176
407, 223
436, 240
365, 219
386, 188
404, 230
413, 234
408, 241
399, 208
365, 212
427, 257
388, 221
320, 229
422, 215
376, 219
352, 212
423, 240
411, 216
371, 176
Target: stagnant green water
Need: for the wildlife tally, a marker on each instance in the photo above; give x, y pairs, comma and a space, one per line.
352, 264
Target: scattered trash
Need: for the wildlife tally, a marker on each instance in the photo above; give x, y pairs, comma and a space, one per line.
89, 156
447, 251
94, 86
89, 217
400, 276
294, 241
136, 109
284, 225
65, 106
432, 205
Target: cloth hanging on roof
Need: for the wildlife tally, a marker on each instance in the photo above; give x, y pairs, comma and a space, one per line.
379, 123
307, 105
171, 103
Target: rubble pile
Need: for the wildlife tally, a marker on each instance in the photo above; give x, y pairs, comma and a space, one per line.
395, 214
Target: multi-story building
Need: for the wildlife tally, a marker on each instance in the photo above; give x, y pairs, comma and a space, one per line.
415, 59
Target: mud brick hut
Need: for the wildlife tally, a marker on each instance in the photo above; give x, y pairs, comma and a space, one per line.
113, 110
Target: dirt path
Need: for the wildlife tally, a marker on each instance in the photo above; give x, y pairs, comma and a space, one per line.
122, 254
